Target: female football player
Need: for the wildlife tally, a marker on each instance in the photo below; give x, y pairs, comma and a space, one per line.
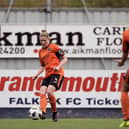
52, 59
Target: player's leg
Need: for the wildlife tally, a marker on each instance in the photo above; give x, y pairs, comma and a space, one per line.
43, 99
52, 100
125, 100
51, 97
54, 84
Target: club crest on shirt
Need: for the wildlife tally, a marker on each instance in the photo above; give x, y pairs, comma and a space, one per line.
49, 49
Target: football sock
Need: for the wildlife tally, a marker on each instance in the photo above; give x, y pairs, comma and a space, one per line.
43, 102
125, 104
52, 100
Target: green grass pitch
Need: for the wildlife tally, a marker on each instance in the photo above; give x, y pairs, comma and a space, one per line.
96, 123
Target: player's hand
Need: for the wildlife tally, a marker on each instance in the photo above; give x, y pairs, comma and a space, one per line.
56, 68
119, 63
34, 77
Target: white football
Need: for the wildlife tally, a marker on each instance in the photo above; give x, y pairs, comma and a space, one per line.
35, 112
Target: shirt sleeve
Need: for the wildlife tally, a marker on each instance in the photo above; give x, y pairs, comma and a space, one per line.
125, 43
58, 51
40, 59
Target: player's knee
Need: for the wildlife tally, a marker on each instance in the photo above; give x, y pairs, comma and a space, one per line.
43, 90
49, 92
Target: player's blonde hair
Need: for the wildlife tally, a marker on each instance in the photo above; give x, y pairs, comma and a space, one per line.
44, 33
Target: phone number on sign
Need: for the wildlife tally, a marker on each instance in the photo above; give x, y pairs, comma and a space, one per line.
12, 50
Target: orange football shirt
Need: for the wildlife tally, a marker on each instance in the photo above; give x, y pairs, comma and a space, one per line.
125, 42
49, 59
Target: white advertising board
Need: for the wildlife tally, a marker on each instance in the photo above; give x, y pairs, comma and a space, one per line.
80, 89
85, 41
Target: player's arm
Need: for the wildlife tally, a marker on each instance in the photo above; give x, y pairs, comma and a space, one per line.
62, 57
125, 49
62, 62
42, 68
123, 59
38, 73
